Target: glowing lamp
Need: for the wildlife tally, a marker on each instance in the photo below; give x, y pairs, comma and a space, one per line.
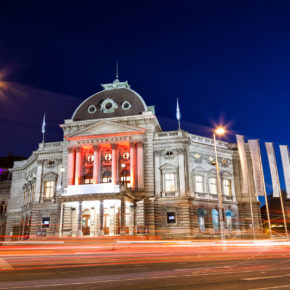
220, 131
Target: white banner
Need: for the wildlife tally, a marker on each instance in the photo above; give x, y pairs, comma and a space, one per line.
286, 167
244, 166
273, 169
257, 167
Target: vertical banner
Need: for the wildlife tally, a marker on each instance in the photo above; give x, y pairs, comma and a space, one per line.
286, 167
244, 166
257, 167
273, 169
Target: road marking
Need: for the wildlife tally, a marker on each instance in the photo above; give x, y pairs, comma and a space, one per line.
264, 277
273, 287
4, 265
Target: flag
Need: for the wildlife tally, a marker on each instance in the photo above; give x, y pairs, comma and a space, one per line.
286, 167
273, 169
178, 115
257, 167
244, 166
43, 125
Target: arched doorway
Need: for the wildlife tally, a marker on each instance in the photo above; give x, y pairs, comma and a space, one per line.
215, 220
201, 213
229, 224
86, 222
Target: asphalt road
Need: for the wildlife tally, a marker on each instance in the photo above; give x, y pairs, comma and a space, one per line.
144, 266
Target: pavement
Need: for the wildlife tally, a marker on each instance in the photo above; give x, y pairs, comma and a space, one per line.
146, 265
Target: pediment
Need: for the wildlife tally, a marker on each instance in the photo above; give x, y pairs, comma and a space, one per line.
168, 166
198, 169
105, 127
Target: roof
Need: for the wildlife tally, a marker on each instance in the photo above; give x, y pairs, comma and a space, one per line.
116, 100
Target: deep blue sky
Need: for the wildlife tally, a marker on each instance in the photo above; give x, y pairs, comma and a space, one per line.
224, 60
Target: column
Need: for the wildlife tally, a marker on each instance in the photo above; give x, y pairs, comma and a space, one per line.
140, 166
181, 172
80, 213
157, 174
70, 166
96, 168
78, 166
123, 221
101, 230
61, 220
38, 185
115, 160
133, 165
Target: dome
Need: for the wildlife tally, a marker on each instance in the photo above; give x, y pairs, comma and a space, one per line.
116, 100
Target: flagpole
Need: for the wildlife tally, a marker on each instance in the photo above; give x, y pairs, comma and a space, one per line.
43, 130
178, 115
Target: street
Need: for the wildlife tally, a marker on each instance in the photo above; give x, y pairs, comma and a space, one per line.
145, 265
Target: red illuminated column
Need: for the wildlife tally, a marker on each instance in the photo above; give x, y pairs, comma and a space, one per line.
78, 166
70, 166
133, 165
96, 170
140, 165
114, 163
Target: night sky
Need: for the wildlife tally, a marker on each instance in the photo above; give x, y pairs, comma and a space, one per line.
227, 62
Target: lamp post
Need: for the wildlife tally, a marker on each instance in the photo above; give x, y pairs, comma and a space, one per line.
219, 131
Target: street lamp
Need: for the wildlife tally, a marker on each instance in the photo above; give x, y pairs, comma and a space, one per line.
219, 131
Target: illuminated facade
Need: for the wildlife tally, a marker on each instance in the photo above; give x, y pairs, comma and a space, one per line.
117, 173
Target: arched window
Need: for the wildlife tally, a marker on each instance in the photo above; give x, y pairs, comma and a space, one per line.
107, 177
215, 219
229, 220
125, 177
201, 213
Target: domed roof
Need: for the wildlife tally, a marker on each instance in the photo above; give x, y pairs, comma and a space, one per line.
116, 100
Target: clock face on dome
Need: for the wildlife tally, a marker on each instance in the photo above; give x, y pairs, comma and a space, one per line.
108, 106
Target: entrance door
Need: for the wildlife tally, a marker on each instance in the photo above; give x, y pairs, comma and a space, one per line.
86, 224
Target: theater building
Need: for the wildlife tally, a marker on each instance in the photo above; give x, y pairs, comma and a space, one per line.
117, 173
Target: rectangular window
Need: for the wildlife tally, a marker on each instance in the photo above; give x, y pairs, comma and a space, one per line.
89, 181
45, 222
212, 185
169, 182
199, 183
48, 189
227, 187
171, 217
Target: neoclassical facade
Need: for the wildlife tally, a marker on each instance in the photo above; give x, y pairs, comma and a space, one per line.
117, 173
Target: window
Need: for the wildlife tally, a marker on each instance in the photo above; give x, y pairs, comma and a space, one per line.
199, 183
107, 177
45, 222
229, 220
201, 212
212, 185
227, 187
169, 182
125, 178
215, 219
171, 217
89, 181
48, 189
